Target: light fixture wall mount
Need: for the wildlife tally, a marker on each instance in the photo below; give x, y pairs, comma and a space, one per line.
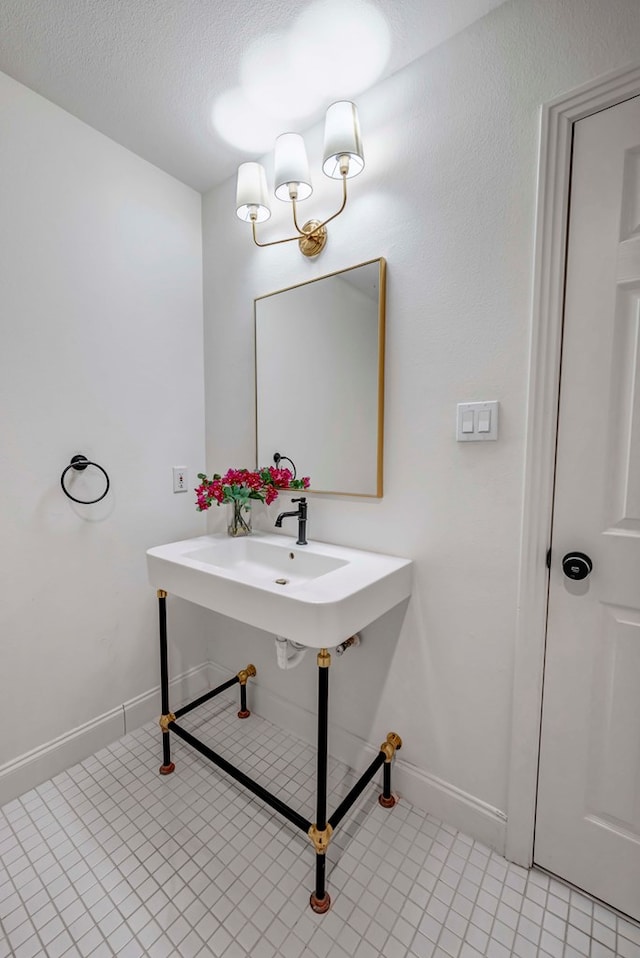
343, 158
315, 238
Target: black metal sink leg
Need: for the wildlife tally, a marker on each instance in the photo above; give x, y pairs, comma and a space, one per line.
167, 765
320, 832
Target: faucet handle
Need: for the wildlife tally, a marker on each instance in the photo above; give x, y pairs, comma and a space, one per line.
300, 499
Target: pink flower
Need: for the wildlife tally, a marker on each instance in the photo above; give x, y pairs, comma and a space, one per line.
243, 484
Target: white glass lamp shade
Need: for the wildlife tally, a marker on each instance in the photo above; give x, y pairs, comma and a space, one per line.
251, 193
342, 138
291, 167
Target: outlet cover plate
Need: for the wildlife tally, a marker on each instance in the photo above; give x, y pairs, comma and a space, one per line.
180, 479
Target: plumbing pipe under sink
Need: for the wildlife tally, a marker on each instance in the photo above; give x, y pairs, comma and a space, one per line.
288, 653
349, 643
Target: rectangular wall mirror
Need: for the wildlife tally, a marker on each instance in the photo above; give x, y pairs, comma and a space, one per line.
320, 379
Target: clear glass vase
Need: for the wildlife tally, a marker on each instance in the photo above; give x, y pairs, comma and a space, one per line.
239, 519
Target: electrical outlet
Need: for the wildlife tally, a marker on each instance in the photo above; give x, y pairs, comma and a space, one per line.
180, 479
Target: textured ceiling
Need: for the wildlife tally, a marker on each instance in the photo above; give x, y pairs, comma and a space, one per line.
147, 72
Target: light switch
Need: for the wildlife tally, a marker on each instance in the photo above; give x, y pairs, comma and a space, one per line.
477, 421
484, 420
467, 420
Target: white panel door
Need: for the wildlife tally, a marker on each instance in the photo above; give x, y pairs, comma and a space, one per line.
588, 814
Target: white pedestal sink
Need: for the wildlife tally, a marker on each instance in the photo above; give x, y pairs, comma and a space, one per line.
318, 594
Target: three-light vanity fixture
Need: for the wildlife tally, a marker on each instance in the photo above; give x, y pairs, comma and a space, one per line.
342, 159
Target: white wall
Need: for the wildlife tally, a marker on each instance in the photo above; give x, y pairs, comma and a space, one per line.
448, 197
101, 354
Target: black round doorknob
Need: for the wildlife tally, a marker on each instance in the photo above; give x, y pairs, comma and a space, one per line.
576, 565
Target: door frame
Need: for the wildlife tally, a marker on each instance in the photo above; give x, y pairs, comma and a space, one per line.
557, 119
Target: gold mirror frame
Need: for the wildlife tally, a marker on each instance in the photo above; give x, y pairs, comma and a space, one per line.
381, 325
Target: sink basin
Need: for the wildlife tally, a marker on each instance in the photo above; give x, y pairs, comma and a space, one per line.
318, 594
254, 561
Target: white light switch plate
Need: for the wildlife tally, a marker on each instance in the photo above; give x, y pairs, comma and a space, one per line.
483, 416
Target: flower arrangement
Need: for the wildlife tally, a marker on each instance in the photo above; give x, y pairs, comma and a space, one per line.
239, 486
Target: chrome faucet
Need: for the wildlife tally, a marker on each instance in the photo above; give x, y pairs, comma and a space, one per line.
301, 516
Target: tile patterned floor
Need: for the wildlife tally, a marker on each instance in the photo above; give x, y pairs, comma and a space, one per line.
109, 858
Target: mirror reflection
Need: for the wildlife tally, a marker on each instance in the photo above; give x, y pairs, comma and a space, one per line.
320, 379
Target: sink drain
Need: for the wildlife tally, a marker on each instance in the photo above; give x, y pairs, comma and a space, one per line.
282, 582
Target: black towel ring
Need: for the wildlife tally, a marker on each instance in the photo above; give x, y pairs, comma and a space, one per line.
277, 458
80, 463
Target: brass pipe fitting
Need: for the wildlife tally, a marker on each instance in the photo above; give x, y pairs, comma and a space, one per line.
392, 744
245, 674
320, 839
324, 659
164, 721
161, 594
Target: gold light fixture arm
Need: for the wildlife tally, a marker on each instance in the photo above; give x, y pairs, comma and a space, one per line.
312, 236
321, 225
289, 239
311, 239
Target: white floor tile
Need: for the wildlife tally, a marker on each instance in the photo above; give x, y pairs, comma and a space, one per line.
110, 859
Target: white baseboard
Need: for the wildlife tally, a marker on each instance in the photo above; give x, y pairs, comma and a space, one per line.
147, 706
465, 812
32, 768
